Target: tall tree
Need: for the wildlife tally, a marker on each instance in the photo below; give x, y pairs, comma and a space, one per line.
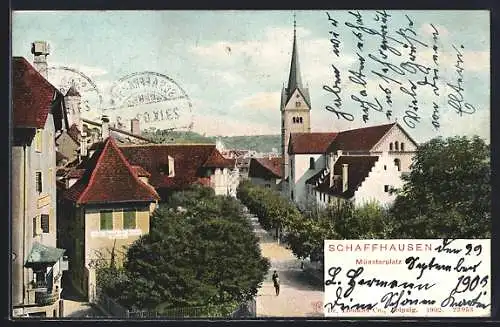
447, 193
200, 250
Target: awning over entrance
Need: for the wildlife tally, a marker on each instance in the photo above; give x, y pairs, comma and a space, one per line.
43, 254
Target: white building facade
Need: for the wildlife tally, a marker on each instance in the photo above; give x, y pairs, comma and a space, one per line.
360, 165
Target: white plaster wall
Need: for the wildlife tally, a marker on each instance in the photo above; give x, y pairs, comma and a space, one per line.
397, 134
319, 200
224, 182
301, 173
372, 188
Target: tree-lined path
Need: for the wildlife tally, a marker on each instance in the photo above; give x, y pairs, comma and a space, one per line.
299, 294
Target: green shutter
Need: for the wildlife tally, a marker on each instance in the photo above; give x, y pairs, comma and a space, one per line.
129, 221
106, 220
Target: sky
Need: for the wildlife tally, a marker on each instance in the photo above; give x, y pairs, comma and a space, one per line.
233, 64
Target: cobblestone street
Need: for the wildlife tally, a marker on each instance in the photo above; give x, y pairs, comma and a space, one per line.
76, 306
299, 293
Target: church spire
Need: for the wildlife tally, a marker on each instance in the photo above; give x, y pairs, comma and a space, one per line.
295, 79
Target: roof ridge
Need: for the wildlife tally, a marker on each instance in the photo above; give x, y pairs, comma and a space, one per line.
93, 174
45, 80
366, 127
165, 144
129, 167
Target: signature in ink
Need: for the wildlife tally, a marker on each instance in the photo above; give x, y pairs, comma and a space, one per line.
395, 299
435, 116
335, 89
456, 99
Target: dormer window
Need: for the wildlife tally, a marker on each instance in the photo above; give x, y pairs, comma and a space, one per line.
390, 146
402, 146
168, 168
171, 167
396, 145
311, 163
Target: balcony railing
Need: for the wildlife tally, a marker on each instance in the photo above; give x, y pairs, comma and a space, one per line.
45, 298
39, 285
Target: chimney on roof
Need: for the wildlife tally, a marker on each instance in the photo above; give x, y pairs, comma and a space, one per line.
83, 145
345, 176
104, 127
134, 126
40, 50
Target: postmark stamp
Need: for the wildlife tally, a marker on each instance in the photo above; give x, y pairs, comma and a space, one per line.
64, 77
154, 99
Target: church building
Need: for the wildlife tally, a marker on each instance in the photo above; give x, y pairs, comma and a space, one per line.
359, 165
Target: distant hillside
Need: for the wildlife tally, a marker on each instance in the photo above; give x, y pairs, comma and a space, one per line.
259, 143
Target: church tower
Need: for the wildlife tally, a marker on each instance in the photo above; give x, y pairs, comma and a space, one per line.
295, 105
72, 100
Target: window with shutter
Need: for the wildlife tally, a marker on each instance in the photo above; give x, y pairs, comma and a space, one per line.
311, 163
35, 232
106, 220
45, 223
129, 219
39, 182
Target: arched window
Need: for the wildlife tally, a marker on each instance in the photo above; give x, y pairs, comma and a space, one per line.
402, 146
311, 163
390, 146
396, 146
293, 119
397, 163
300, 120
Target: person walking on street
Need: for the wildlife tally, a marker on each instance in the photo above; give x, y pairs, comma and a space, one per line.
276, 281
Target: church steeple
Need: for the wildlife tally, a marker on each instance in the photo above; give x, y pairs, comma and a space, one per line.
295, 111
295, 78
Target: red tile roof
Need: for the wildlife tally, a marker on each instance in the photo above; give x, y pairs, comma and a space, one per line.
358, 169
189, 162
76, 173
32, 95
108, 178
216, 160
360, 139
266, 167
310, 143
74, 133
141, 172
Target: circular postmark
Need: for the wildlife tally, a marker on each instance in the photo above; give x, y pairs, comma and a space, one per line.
155, 99
64, 77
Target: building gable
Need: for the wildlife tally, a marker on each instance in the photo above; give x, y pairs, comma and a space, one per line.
399, 135
109, 177
265, 168
297, 101
33, 96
